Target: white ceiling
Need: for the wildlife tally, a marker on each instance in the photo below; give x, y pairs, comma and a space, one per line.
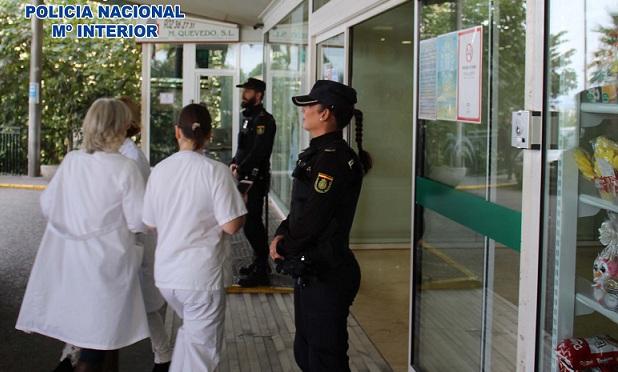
243, 12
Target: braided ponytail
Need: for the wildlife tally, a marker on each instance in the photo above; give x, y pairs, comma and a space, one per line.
364, 156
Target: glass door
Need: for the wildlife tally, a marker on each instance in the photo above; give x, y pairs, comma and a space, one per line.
165, 100
468, 185
331, 59
579, 287
216, 91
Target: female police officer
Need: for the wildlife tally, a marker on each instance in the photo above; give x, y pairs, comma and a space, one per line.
312, 243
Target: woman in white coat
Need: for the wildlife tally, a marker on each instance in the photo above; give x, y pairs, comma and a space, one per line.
84, 287
192, 201
159, 338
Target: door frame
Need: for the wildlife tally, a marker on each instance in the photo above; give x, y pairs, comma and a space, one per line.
532, 196
532, 192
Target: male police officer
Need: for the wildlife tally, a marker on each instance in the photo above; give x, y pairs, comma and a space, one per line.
251, 165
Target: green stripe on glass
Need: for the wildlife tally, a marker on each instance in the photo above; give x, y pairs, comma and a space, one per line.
492, 220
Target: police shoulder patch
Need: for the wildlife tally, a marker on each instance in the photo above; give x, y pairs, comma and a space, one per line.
260, 129
323, 182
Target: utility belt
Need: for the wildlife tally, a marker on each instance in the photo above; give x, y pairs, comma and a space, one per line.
258, 174
304, 270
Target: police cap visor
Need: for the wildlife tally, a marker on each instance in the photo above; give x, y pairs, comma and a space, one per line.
254, 84
329, 93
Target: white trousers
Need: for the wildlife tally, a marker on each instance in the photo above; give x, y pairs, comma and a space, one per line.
200, 338
159, 339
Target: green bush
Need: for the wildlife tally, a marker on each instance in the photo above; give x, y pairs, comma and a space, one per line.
75, 72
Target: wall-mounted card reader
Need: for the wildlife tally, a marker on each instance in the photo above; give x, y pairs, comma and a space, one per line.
526, 130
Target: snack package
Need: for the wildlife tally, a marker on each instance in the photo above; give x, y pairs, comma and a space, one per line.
584, 163
598, 353
600, 168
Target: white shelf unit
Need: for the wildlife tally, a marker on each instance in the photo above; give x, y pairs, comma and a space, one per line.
597, 202
593, 114
573, 296
584, 297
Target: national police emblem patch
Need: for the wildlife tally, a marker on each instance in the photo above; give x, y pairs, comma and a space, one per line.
323, 183
260, 129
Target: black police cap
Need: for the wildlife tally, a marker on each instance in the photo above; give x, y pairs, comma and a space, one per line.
254, 84
329, 93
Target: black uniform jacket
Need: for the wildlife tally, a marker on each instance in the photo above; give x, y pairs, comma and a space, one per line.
255, 144
327, 183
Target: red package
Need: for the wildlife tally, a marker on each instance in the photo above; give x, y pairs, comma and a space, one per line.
598, 353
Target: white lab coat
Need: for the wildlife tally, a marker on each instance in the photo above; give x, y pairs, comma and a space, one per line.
84, 287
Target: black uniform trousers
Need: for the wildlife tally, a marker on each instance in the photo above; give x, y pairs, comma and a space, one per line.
254, 225
321, 310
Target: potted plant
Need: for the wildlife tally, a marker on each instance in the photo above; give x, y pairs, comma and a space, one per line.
453, 157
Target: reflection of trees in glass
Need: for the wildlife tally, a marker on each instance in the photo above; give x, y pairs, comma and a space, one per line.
605, 63
563, 77
166, 77
163, 117
255, 73
504, 54
215, 56
286, 75
216, 93
167, 61
280, 56
252, 58
507, 59
285, 148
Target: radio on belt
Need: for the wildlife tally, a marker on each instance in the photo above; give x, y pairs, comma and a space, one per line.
526, 129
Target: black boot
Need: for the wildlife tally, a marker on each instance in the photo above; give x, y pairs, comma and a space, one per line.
246, 270
64, 366
87, 367
256, 278
162, 367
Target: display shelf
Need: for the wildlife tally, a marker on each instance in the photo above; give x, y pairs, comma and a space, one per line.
598, 202
584, 296
593, 114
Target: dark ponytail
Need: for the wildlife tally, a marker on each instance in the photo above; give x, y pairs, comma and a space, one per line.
343, 116
364, 156
195, 124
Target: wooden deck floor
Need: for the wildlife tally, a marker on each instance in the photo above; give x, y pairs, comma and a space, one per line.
259, 335
451, 326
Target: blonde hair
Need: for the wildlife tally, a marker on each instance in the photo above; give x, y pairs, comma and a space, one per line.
105, 125
135, 127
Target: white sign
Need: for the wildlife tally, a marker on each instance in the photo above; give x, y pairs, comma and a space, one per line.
192, 30
470, 75
446, 76
427, 80
166, 98
289, 34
